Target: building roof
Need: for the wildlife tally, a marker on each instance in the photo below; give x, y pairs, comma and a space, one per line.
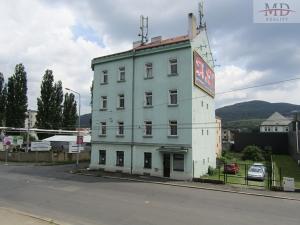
168, 41
276, 119
157, 44
68, 138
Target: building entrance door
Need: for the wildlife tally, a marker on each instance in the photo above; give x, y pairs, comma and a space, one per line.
167, 166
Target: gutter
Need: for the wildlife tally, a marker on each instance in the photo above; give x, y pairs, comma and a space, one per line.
132, 111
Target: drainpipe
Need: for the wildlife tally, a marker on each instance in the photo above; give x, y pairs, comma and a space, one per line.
132, 111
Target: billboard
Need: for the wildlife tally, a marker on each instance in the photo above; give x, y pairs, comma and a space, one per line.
204, 76
40, 146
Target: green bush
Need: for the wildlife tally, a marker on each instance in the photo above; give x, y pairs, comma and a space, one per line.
210, 171
253, 153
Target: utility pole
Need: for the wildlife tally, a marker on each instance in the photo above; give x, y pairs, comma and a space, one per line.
28, 127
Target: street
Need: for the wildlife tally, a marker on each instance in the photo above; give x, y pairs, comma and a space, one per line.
49, 191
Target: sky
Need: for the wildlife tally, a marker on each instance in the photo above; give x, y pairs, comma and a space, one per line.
65, 35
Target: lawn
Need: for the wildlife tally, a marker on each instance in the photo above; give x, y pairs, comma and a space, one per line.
288, 167
239, 178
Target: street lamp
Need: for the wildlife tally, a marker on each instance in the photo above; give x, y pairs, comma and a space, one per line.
77, 155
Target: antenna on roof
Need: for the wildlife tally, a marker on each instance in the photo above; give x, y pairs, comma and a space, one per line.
144, 29
202, 24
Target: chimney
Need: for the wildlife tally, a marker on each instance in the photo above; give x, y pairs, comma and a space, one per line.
136, 44
192, 26
156, 39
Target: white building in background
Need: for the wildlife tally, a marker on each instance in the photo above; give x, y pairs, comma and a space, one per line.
276, 123
153, 108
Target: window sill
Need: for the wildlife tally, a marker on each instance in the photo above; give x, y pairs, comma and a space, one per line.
147, 168
147, 136
148, 78
172, 105
103, 110
178, 170
104, 83
172, 136
120, 81
120, 165
102, 135
120, 108
148, 106
120, 135
173, 74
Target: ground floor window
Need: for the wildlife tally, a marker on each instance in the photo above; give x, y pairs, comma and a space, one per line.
148, 160
120, 158
178, 162
102, 157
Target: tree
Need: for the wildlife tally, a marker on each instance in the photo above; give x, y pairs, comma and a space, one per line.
49, 104
58, 98
17, 98
3, 98
69, 112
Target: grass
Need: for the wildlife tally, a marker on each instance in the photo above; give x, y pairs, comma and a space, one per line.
239, 178
288, 167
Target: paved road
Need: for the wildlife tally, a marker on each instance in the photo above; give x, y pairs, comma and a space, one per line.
51, 192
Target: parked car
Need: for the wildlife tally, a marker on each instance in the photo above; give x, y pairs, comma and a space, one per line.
260, 165
232, 168
256, 173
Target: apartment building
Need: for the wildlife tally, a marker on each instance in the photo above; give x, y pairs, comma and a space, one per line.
153, 109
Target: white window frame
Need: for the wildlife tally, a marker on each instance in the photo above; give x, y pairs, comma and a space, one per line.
103, 99
171, 93
173, 123
148, 94
103, 128
120, 128
104, 74
146, 125
122, 74
172, 62
121, 97
148, 67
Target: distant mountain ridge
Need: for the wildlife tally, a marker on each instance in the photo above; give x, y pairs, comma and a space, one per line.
251, 114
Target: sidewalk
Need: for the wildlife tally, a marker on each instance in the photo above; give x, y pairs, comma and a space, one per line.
246, 190
14, 217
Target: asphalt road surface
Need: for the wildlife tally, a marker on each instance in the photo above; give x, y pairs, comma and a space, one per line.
52, 192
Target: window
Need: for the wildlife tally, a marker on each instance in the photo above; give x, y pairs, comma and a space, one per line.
121, 101
104, 77
148, 128
103, 102
276, 129
207, 132
202, 132
120, 158
102, 157
148, 70
178, 162
147, 160
121, 128
172, 97
173, 66
206, 106
286, 129
265, 129
103, 128
173, 127
203, 161
122, 73
148, 98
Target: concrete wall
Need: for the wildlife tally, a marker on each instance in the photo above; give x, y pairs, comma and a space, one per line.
44, 156
274, 129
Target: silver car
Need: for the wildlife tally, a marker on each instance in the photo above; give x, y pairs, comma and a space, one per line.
255, 173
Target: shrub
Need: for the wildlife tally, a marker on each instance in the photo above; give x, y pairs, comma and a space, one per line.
210, 171
253, 153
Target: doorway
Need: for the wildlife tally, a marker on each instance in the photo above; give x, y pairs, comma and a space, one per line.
167, 165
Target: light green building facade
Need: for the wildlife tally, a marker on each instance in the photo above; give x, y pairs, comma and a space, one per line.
148, 117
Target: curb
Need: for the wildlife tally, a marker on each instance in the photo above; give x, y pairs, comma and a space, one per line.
194, 187
44, 219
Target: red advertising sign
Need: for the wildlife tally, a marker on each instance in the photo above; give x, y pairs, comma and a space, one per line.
204, 76
79, 140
